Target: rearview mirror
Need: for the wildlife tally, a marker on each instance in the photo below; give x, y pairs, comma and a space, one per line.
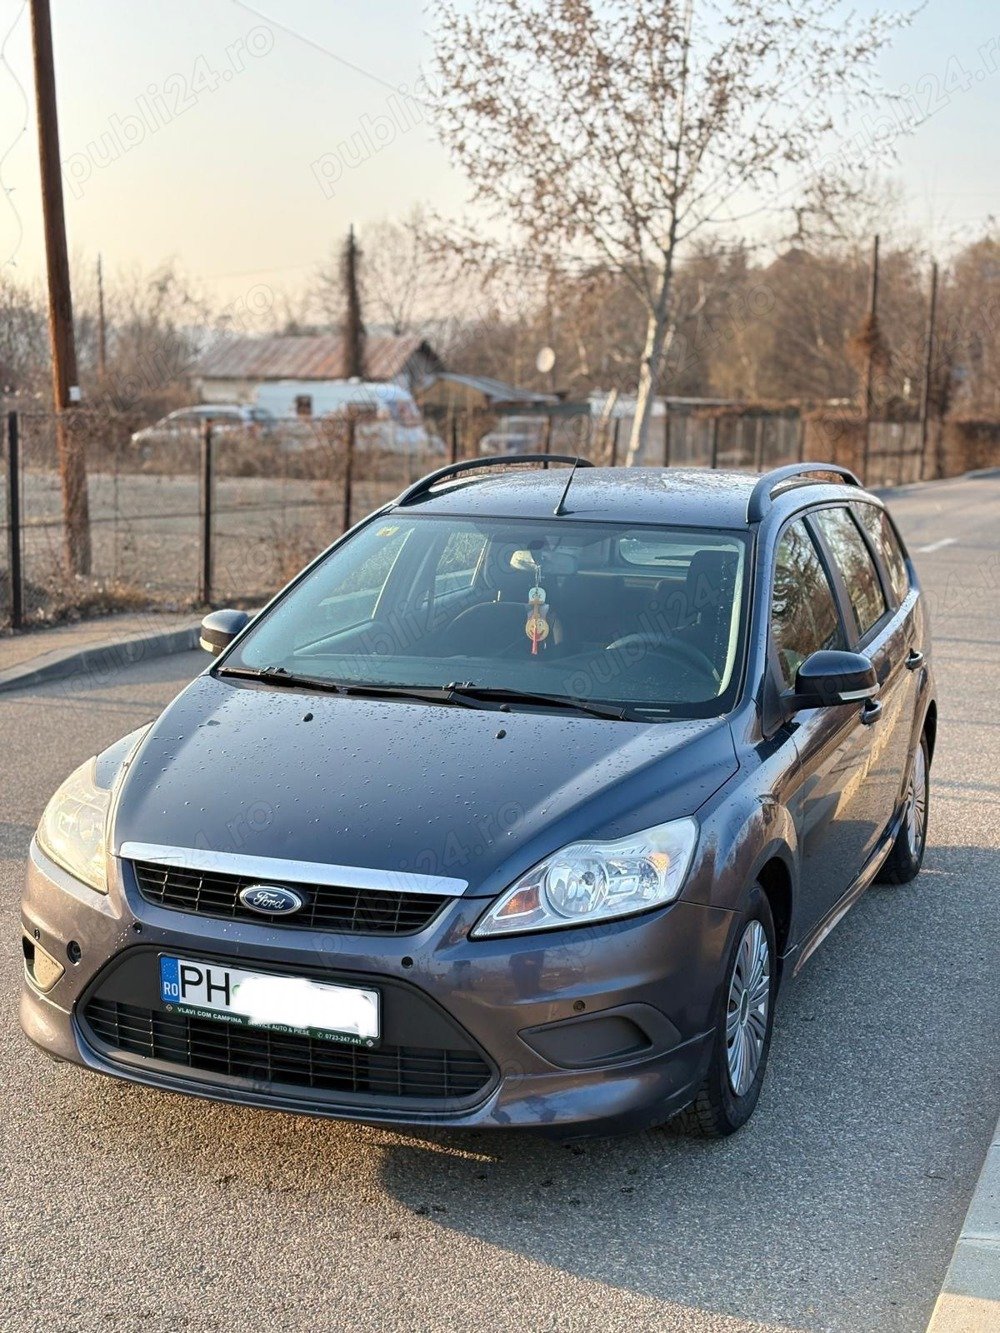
832, 677
220, 628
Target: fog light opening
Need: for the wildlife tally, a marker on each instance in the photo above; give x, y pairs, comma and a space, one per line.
40, 967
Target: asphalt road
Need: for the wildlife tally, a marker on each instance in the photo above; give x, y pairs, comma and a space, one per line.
836, 1209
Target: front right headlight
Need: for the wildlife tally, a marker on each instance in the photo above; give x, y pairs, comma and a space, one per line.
73, 829
596, 881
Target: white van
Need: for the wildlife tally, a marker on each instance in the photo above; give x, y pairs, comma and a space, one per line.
397, 426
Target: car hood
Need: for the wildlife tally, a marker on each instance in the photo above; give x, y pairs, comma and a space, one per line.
472, 794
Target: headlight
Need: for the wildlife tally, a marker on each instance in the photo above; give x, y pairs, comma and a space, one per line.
74, 827
596, 881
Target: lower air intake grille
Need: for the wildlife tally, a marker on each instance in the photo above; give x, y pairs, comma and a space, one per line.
340, 910
265, 1057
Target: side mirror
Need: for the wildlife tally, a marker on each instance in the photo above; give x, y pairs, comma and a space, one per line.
220, 628
832, 677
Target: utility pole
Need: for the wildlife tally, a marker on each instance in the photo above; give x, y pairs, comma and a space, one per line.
870, 366
65, 389
102, 332
354, 328
925, 397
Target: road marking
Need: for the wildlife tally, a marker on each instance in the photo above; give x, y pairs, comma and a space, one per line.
936, 546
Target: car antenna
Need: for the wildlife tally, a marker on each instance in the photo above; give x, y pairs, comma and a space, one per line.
569, 481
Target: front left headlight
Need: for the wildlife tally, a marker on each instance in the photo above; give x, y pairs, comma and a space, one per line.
73, 829
596, 881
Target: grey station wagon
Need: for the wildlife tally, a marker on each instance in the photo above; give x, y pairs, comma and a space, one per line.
513, 809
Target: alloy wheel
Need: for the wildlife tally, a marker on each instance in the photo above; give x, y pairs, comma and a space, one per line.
748, 1008
916, 809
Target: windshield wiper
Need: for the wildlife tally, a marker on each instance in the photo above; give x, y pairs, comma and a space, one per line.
280, 676
431, 694
273, 675
464, 694
502, 694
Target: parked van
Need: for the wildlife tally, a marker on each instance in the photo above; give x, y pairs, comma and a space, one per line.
388, 415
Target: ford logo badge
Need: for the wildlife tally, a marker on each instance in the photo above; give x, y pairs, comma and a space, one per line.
271, 899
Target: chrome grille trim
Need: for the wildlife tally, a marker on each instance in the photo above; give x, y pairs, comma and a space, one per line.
281, 871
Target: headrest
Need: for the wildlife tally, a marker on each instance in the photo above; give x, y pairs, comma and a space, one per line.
712, 568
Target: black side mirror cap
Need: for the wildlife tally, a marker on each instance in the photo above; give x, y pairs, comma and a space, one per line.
830, 677
220, 628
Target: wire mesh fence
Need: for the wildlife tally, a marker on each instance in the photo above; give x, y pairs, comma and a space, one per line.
190, 517
163, 515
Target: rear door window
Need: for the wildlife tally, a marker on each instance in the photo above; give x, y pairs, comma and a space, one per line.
361, 585
877, 524
804, 615
459, 561
853, 559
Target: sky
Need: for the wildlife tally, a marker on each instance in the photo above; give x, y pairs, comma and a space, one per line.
242, 139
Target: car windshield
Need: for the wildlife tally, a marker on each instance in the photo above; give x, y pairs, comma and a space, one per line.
648, 619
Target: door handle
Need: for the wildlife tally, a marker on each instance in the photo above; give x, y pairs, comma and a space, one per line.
914, 659
871, 711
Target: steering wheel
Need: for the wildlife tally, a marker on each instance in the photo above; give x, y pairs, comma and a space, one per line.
667, 645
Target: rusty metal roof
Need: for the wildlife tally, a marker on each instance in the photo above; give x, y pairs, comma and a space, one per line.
309, 357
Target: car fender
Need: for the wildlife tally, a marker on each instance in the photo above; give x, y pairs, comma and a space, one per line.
742, 834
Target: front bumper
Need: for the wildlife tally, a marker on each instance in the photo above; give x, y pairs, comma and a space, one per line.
602, 1029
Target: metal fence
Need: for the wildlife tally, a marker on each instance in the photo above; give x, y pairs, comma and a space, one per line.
226, 517
680, 437
221, 516
895, 453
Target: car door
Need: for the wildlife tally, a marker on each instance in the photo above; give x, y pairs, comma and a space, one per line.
884, 633
828, 799
908, 624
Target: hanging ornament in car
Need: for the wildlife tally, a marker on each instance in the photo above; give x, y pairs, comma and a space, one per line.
536, 627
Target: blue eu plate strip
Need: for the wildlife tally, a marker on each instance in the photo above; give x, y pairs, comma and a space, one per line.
170, 980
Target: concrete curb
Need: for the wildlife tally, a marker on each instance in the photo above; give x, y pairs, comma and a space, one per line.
99, 660
970, 1297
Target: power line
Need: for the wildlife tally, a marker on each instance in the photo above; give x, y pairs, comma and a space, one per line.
325, 50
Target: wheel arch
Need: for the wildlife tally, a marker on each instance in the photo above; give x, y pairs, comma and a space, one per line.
775, 878
930, 728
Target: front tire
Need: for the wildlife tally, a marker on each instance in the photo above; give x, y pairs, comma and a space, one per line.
907, 855
728, 1096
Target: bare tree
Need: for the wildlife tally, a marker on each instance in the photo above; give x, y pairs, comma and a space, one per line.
967, 353
405, 287
618, 131
398, 284
23, 347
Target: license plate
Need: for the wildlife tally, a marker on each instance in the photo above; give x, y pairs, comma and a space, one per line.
258, 999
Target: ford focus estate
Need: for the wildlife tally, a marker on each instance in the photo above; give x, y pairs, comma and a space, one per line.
514, 808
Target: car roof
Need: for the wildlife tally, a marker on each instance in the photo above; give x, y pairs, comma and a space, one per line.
686, 497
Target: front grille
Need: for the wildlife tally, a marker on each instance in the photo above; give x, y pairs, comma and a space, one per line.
347, 911
264, 1057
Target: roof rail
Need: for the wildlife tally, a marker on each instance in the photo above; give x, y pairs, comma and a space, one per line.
760, 497
424, 485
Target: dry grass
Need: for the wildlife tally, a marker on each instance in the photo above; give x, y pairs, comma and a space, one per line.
63, 599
